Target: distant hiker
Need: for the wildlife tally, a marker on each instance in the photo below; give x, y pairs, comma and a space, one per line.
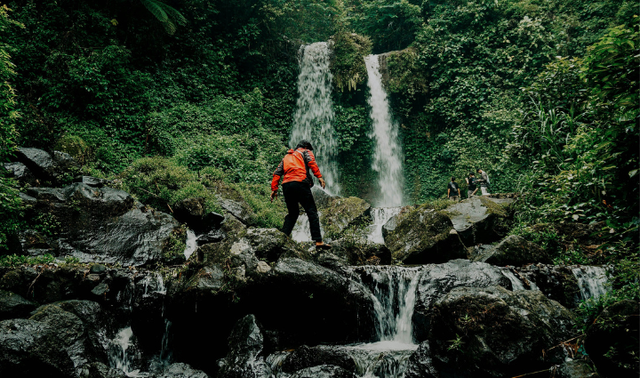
472, 186
453, 191
483, 180
296, 186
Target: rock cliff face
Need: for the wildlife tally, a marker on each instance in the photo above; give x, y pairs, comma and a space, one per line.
251, 302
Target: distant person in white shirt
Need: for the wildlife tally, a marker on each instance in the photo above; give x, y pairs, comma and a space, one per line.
483, 180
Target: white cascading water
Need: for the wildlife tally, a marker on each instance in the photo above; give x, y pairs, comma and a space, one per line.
592, 281
387, 156
302, 230
314, 116
394, 289
191, 244
380, 216
122, 354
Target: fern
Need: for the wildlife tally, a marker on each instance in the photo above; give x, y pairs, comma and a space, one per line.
166, 14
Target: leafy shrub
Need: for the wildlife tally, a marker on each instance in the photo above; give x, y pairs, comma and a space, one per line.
268, 214
161, 183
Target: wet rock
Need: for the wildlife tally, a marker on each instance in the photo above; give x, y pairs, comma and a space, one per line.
567, 284
46, 167
94, 181
612, 340
33, 243
21, 173
339, 213
310, 304
576, 369
361, 252
324, 371
100, 370
437, 280
180, 370
305, 357
477, 220
245, 346
513, 250
420, 364
192, 212
14, 306
493, 332
422, 236
49, 344
102, 224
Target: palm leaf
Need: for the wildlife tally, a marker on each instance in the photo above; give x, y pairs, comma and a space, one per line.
166, 14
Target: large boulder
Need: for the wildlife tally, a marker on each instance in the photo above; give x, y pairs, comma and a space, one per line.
513, 250
438, 280
245, 347
53, 169
479, 220
310, 304
339, 213
494, 332
103, 225
422, 236
52, 343
612, 340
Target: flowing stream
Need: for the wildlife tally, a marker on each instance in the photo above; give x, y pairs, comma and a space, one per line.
387, 156
314, 116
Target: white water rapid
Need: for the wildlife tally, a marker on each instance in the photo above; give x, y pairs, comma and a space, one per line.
592, 281
387, 156
191, 244
313, 119
380, 217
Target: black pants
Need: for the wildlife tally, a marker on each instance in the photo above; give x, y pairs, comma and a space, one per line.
298, 192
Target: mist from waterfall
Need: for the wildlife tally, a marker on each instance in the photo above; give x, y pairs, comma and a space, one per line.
387, 156
314, 116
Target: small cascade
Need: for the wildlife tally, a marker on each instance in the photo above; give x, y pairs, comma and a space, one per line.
123, 354
314, 116
301, 231
191, 244
517, 282
592, 281
387, 156
153, 284
380, 217
394, 289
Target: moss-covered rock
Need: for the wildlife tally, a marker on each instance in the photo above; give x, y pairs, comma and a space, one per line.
480, 219
422, 236
513, 250
339, 213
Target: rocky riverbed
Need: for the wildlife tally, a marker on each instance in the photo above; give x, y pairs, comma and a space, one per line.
436, 294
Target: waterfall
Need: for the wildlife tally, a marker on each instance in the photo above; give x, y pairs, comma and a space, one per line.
313, 118
380, 217
592, 281
394, 290
191, 244
387, 156
122, 353
302, 231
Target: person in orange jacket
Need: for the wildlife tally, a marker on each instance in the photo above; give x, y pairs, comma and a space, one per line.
296, 186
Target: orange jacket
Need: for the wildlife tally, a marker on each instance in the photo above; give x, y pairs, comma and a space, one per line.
294, 168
